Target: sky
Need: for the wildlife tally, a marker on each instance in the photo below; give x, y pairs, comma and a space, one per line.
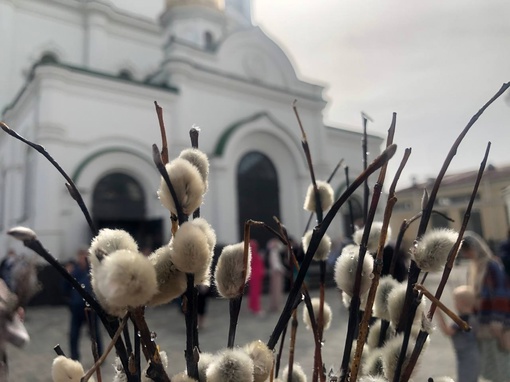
434, 63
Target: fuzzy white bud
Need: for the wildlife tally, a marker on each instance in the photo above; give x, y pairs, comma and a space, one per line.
228, 275
345, 270
187, 183
191, 252
373, 236
108, 241
396, 300
126, 279
203, 363
66, 370
22, 233
327, 314
262, 358
231, 366
431, 251
171, 282
298, 375
391, 353
386, 285
326, 194
198, 159
323, 249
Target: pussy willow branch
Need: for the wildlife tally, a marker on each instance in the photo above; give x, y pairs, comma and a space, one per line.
317, 235
91, 318
292, 344
403, 228
235, 303
162, 129
331, 176
451, 258
422, 336
367, 314
71, 187
414, 270
322, 263
308, 155
156, 157
349, 203
284, 238
353, 323
110, 323
108, 349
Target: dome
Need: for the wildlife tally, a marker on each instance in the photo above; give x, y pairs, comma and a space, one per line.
217, 4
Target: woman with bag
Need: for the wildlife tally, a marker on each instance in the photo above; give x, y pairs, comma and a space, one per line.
487, 277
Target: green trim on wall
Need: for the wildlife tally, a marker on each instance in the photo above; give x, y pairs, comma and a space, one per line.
79, 169
221, 144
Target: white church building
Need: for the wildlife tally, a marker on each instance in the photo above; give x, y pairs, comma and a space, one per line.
80, 77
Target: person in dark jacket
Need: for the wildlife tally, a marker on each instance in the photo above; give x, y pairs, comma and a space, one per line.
81, 272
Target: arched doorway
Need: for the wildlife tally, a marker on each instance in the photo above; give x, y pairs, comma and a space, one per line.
257, 194
119, 202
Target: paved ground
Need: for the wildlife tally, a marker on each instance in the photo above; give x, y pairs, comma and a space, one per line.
49, 326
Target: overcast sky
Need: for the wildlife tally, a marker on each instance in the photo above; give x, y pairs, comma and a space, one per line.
433, 62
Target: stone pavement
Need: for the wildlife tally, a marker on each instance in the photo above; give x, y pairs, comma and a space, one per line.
49, 326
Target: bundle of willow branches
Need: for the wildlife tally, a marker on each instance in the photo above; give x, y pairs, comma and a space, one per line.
388, 326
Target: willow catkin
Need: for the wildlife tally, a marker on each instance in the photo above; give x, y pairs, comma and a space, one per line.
190, 249
298, 375
326, 195
125, 279
373, 237
229, 271
171, 282
65, 369
232, 365
386, 285
327, 314
345, 270
198, 159
262, 358
431, 251
323, 249
188, 185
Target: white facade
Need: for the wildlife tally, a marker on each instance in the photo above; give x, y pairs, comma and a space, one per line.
204, 65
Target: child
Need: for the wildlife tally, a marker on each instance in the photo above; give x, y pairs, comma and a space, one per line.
464, 343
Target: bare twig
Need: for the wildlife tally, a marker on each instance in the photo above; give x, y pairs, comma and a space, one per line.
107, 351
71, 187
459, 321
162, 129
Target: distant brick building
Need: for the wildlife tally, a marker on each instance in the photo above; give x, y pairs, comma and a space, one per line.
490, 213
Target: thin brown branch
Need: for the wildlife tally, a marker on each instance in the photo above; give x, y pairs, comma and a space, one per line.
108, 349
162, 129
459, 321
71, 187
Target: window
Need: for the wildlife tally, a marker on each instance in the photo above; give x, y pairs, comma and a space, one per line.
258, 193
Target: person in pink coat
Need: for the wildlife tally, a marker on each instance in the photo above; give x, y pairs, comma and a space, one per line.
256, 279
